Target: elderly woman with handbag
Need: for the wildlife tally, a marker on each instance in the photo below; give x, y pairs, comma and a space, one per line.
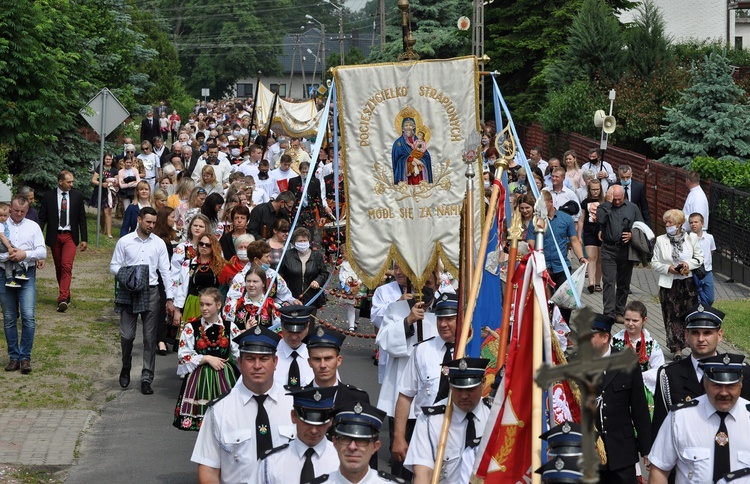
676, 254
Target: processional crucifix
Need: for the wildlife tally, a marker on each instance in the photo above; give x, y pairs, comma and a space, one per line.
587, 371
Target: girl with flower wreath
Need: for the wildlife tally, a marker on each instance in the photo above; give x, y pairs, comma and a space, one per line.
638, 339
197, 274
248, 311
207, 359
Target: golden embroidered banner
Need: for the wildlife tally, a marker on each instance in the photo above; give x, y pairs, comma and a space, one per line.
404, 127
292, 118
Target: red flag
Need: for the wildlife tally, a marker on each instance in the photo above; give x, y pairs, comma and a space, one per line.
506, 456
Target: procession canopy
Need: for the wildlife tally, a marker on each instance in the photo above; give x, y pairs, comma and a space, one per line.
404, 128
297, 119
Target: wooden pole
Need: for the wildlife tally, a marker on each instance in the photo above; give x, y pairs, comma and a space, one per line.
538, 346
516, 229
270, 120
500, 165
255, 105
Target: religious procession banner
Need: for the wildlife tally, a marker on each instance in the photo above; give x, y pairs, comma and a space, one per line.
404, 127
296, 119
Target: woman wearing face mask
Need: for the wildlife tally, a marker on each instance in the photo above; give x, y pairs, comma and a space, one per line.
248, 311
238, 222
304, 270
676, 254
238, 261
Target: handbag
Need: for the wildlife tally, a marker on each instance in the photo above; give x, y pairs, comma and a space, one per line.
700, 272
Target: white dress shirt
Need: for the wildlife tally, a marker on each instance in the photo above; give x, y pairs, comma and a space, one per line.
696, 202
28, 237
60, 225
285, 466
284, 352
420, 379
132, 250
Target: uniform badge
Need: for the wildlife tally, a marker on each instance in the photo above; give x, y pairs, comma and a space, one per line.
559, 464
262, 429
257, 330
317, 396
566, 428
688, 398
321, 332
445, 371
722, 439
357, 408
444, 298
293, 382
294, 314
463, 365
700, 308
726, 359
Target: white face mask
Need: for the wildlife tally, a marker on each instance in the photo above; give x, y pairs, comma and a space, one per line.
242, 255
302, 246
486, 184
236, 133
212, 125
224, 145
235, 152
672, 230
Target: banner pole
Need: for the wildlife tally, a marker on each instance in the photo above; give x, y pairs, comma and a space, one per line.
540, 227
514, 235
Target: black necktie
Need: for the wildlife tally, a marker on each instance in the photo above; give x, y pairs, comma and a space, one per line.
721, 449
64, 210
444, 387
293, 380
262, 427
308, 471
627, 197
471, 431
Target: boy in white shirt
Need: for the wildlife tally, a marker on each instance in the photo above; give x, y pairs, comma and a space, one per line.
708, 245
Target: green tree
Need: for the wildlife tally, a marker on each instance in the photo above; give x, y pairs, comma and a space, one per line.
710, 119
594, 49
649, 49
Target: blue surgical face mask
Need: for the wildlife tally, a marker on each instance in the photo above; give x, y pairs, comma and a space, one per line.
672, 230
302, 246
265, 266
625, 183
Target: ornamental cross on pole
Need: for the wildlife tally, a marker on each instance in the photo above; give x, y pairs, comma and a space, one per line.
587, 370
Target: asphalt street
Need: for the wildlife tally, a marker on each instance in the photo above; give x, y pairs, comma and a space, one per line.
133, 439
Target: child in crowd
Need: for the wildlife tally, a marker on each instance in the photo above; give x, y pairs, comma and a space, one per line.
638, 339
14, 271
706, 240
207, 356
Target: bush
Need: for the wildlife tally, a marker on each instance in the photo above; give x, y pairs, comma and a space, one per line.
732, 173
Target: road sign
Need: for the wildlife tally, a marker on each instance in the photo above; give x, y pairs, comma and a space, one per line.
104, 105
205, 92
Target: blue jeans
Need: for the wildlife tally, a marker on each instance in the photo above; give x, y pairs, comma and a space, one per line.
11, 299
707, 285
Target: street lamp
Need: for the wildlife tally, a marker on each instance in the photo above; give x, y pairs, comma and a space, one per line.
312, 19
315, 67
341, 27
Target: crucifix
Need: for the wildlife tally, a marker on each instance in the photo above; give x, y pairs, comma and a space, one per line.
587, 370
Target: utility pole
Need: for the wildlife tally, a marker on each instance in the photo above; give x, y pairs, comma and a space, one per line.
382, 24
310, 18
341, 27
297, 45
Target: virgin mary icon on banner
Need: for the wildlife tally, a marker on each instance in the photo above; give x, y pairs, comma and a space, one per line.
411, 160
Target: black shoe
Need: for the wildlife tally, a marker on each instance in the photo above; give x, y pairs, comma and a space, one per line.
25, 367
146, 388
62, 306
162, 352
125, 377
14, 365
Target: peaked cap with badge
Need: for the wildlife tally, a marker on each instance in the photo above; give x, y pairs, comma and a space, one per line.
258, 339
296, 318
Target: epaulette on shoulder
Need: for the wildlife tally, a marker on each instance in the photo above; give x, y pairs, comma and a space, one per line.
434, 410
424, 341
217, 399
318, 479
353, 388
681, 405
744, 472
487, 401
390, 477
274, 450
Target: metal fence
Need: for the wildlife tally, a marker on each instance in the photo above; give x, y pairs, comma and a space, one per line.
729, 222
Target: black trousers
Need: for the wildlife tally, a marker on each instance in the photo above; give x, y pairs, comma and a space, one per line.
616, 273
397, 468
626, 475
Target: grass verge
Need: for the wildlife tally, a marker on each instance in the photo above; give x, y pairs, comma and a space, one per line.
736, 328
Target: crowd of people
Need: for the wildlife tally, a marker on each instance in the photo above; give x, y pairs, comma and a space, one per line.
200, 260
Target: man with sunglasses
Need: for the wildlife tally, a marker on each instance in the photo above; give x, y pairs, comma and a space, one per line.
356, 436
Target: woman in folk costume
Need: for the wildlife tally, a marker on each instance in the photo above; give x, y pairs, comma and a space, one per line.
196, 275
207, 358
250, 309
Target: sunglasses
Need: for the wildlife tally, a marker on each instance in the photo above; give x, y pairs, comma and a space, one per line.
201, 190
204, 244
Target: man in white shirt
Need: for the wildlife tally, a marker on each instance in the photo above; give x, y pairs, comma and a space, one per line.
562, 194
251, 166
27, 237
535, 159
696, 201
283, 173
602, 170
222, 168
293, 371
132, 252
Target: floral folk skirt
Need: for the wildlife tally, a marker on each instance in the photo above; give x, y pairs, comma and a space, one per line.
198, 389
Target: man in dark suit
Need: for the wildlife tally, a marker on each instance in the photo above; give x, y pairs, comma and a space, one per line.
635, 191
149, 127
265, 215
313, 199
623, 418
63, 212
681, 381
